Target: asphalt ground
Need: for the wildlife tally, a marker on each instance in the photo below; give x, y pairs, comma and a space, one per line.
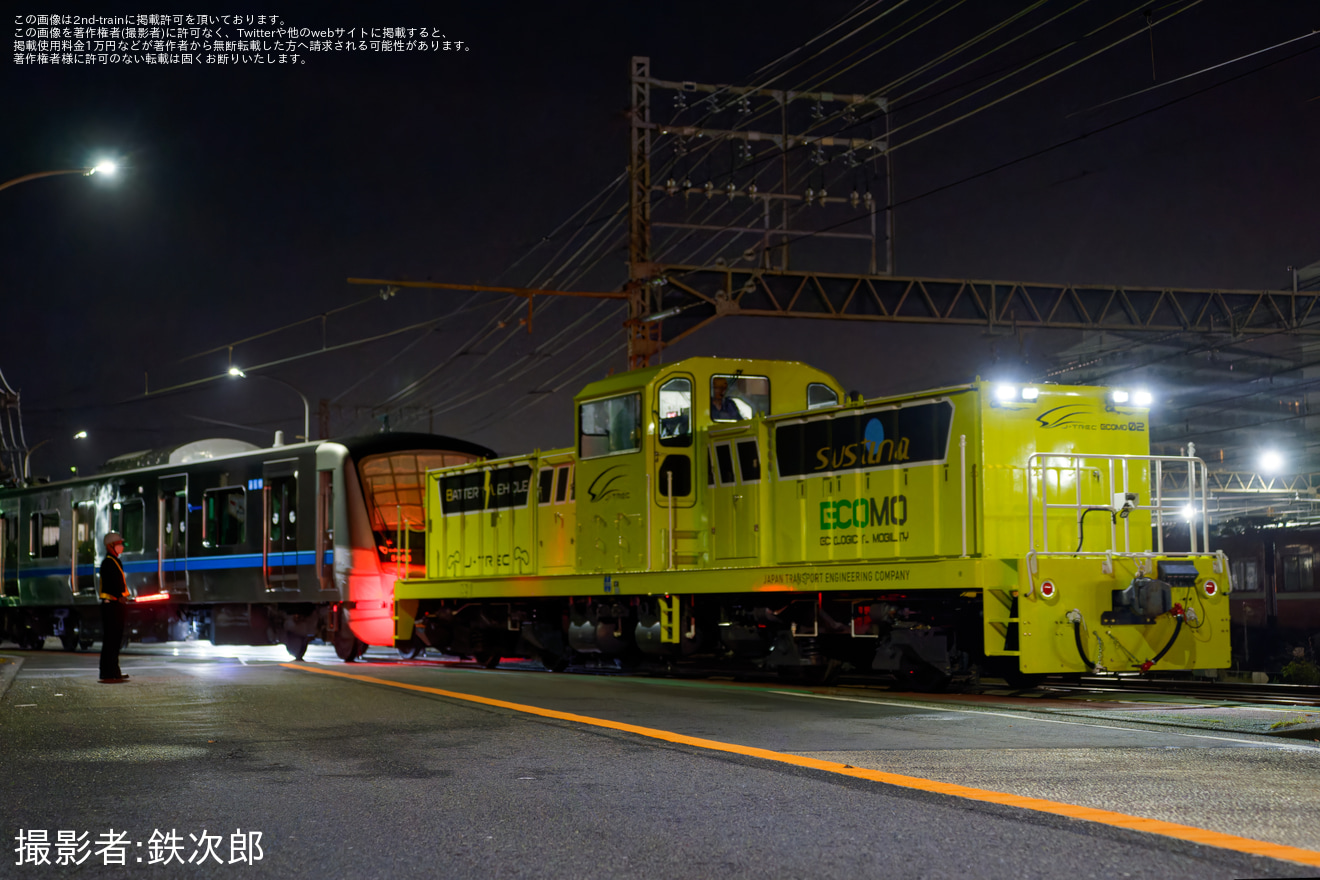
378, 775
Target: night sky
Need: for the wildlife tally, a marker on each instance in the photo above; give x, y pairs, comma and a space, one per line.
249, 194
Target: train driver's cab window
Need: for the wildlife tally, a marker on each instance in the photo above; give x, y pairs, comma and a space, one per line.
736, 397
675, 412
128, 519
44, 535
226, 517
819, 395
610, 426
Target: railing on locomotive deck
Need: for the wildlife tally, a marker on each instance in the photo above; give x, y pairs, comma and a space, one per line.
1161, 507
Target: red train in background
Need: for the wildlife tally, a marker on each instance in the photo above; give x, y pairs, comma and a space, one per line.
1275, 603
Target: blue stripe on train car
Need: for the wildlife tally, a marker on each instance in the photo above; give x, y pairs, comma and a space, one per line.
196, 563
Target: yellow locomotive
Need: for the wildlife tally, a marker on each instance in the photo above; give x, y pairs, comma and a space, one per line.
750, 509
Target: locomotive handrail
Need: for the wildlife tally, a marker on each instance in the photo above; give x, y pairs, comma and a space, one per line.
1159, 506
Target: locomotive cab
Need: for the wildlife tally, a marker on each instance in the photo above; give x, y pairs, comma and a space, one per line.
669, 460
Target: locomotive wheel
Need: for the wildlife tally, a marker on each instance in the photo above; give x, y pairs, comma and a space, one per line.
35, 642
69, 641
488, 659
411, 650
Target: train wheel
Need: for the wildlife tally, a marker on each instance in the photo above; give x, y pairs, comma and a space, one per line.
349, 649
489, 659
69, 641
1022, 680
35, 642
410, 650
296, 645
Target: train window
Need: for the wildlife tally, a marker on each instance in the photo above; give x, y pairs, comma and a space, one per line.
44, 535
545, 483
749, 461
819, 395
127, 518
561, 483
394, 484
675, 413
737, 397
1298, 574
710, 469
610, 426
1245, 575
724, 457
225, 521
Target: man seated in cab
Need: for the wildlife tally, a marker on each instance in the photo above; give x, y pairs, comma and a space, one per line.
722, 407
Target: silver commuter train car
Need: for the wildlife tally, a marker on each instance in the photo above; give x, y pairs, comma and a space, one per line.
227, 541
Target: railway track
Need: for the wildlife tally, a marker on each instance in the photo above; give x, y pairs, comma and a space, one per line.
1276, 694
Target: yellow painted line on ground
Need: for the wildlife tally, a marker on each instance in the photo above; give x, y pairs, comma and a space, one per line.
1041, 805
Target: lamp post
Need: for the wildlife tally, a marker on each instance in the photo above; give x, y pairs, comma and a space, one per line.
238, 373
99, 168
27, 459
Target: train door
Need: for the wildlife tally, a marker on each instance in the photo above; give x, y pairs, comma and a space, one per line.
9, 554
280, 548
172, 533
84, 543
675, 489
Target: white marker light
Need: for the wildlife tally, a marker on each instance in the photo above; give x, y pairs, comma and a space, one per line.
1143, 398
1005, 392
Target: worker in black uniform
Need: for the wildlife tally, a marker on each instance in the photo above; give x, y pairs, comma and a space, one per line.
114, 607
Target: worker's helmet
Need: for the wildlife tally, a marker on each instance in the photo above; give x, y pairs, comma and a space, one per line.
113, 538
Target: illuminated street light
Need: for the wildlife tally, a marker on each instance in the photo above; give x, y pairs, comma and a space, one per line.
237, 373
1271, 462
27, 459
105, 168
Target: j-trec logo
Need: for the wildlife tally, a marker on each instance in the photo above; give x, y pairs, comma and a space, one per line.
603, 487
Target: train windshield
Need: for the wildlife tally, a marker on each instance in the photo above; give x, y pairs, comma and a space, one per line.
395, 484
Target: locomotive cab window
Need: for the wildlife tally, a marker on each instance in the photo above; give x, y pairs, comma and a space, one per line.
735, 397
675, 413
545, 481
226, 517
819, 394
610, 426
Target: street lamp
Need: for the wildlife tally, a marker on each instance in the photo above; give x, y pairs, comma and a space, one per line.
27, 459
106, 168
238, 373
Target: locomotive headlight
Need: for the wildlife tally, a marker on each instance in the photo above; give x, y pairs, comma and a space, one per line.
1143, 398
1119, 395
1005, 393
1030, 393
